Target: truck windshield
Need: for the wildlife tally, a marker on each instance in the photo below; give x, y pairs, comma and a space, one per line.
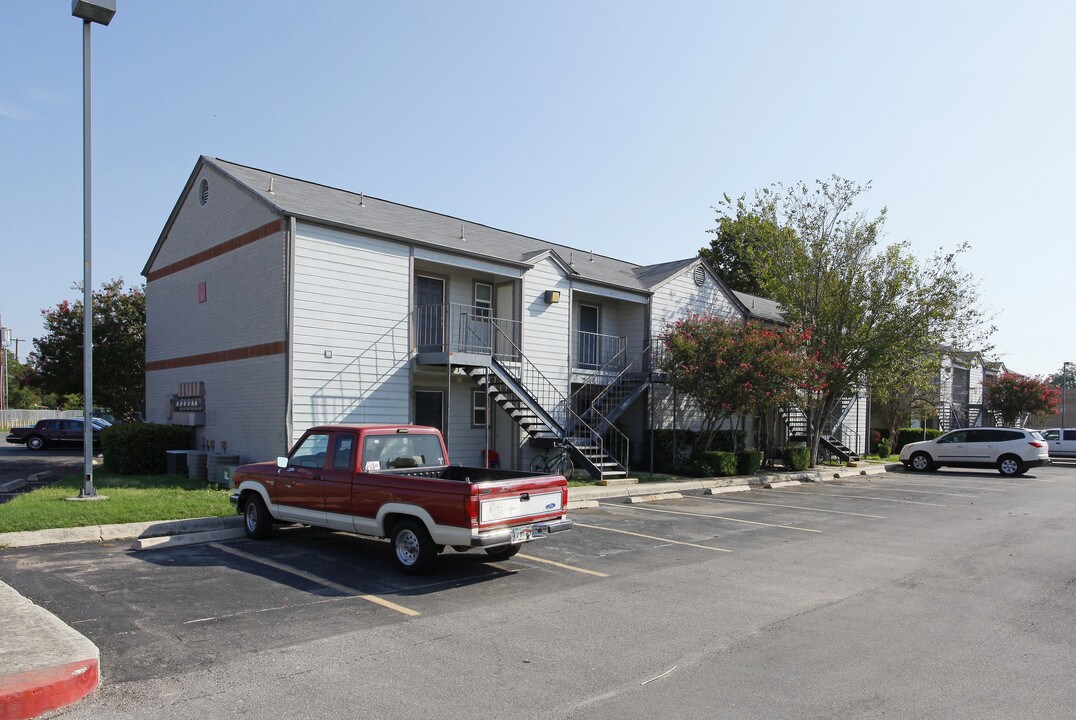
385, 452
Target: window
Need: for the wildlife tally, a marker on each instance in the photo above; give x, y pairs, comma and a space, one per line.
312, 453
1070, 435
1051, 434
483, 299
388, 452
957, 437
478, 408
344, 452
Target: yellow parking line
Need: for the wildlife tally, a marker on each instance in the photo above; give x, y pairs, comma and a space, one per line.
554, 563
721, 517
390, 605
651, 537
317, 580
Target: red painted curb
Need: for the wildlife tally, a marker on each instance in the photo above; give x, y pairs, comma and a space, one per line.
32, 693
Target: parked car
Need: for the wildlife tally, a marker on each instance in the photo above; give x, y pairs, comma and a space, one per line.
57, 432
1062, 441
1011, 450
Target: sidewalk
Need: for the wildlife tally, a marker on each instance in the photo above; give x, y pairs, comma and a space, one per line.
45, 664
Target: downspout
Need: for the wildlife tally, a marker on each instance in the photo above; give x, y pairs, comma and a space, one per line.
289, 330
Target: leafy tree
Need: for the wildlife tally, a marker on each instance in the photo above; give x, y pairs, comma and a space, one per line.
739, 228
908, 387
18, 393
869, 308
730, 370
119, 349
1064, 377
1012, 396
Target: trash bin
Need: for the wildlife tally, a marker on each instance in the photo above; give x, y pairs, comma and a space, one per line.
491, 458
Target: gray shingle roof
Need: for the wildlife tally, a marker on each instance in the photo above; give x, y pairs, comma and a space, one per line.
362, 213
762, 308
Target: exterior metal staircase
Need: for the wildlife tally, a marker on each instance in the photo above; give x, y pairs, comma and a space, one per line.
543, 411
796, 422
620, 393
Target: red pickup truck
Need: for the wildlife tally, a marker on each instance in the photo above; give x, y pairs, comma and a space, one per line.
395, 481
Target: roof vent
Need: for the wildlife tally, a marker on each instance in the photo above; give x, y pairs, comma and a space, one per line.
203, 192
699, 275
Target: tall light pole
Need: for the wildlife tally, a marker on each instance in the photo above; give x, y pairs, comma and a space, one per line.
1064, 392
101, 12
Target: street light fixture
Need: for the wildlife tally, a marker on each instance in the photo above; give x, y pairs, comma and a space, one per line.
1064, 392
101, 12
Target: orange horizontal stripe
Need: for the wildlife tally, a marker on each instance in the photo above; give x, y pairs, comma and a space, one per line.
243, 353
227, 246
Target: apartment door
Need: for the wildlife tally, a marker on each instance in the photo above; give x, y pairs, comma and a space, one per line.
589, 327
430, 408
505, 336
429, 314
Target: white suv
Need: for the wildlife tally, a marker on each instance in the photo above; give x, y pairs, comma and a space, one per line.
1011, 450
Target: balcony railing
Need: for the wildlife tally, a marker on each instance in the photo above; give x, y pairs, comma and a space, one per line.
455, 328
594, 350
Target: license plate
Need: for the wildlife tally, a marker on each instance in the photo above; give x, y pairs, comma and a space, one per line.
522, 534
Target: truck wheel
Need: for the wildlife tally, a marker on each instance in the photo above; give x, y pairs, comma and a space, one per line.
502, 552
35, 442
257, 522
412, 547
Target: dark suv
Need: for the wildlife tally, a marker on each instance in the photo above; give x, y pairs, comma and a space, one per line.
55, 432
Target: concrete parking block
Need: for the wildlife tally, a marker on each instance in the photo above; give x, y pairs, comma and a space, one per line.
726, 489
153, 543
634, 499
781, 484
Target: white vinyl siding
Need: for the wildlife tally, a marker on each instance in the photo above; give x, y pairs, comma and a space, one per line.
681, 298
351, 299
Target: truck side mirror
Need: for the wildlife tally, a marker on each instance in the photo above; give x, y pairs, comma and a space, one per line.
281, 462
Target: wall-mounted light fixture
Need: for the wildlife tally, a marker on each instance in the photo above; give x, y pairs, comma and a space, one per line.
552, 296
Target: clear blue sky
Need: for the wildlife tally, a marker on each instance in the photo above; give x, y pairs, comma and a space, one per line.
608, 126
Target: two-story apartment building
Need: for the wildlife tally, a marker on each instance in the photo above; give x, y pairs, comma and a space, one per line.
275, 303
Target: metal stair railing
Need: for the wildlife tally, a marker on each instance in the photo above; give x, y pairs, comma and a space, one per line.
573, 429
607, 403
607, 369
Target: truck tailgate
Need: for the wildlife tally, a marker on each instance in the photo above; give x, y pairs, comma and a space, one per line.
508, 507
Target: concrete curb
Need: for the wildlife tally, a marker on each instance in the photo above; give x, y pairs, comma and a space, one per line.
46, 663
100, 533
170, 541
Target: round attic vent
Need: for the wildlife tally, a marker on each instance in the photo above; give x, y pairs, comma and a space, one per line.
203, 192
699, 275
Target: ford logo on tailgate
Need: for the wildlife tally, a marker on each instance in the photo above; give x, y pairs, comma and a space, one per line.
550, 506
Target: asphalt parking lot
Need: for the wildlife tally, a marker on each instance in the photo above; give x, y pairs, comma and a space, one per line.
801, 597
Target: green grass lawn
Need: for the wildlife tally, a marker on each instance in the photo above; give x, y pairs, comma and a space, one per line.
132, 498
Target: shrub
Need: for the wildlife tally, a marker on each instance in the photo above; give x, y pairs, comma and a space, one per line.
139, 448
720, 463
884, 448
910, 435
796, 457
685, 439
748, 462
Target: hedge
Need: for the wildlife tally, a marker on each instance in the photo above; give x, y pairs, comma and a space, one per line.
685, 439
139, 448
719, 462
796, 457
748, 462
910, 435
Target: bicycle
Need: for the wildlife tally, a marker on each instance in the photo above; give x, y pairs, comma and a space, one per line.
555, 460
